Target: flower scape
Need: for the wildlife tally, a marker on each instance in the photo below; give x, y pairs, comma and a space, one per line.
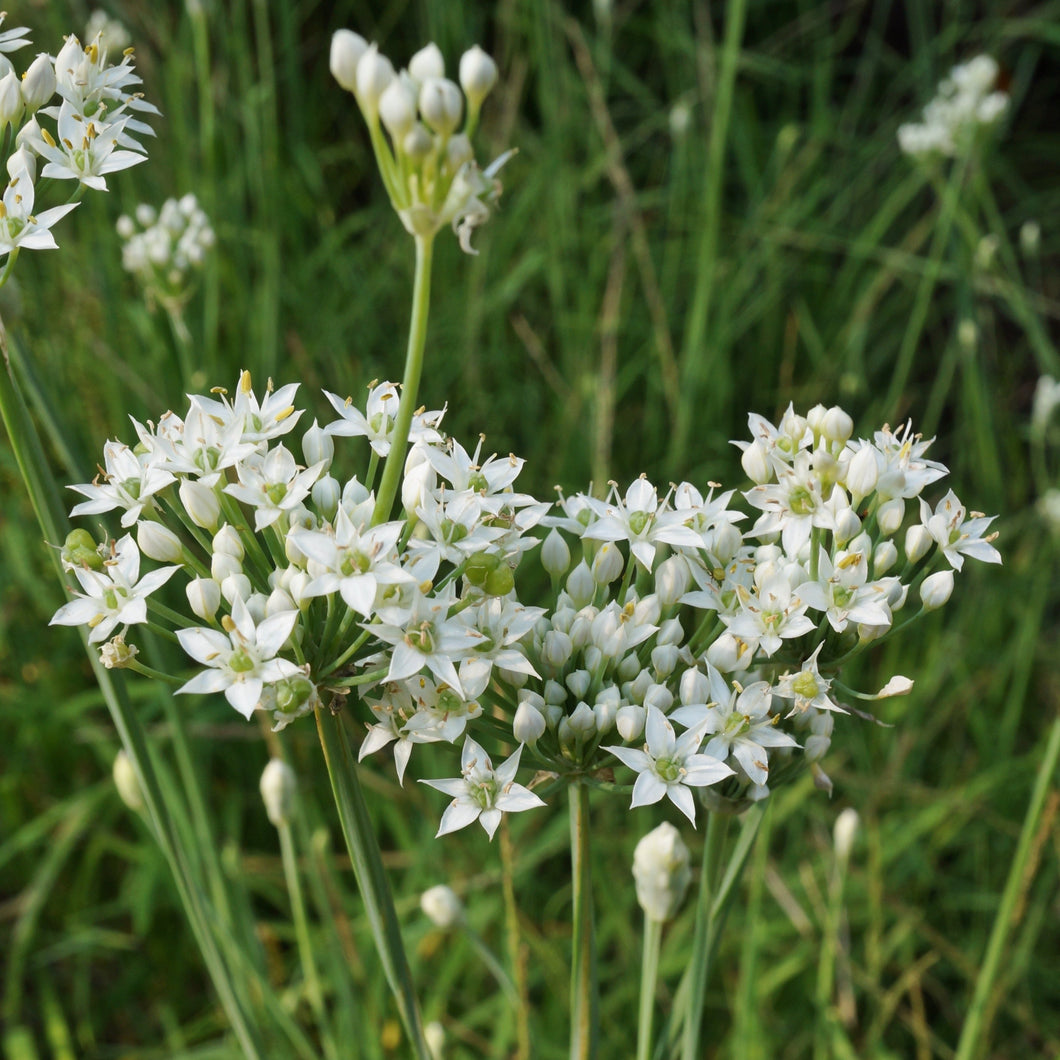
691, 642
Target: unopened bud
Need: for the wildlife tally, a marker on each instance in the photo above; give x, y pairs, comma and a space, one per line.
528, 726
427, 62
661, 872
374, 74
159, 543
397, 108
442, 906
936, 589
441, 105
607, 563
278, 786
347, 48
478, 75
126, 783
204, 597
918, 541
201, 504
843, 832
38, 83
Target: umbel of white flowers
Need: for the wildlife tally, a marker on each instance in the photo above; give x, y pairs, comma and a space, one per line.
704, 657
421, 125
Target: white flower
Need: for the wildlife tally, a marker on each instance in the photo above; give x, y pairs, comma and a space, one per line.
114, 596
273, 486
278, 785
483, 793
669, 765
376, 423
243, 662
19, 226
86, 150
130, 482
956, 536
442, 906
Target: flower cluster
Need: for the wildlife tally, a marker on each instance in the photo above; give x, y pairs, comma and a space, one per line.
425, 156
695, 648
164, 249
967, 101
95, 129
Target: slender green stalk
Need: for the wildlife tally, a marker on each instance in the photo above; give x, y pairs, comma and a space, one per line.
365, 856
585, 1016
410, 385
649, 975
516, 947
973, 1040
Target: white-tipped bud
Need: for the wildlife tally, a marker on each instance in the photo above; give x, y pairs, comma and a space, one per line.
397, 108
238, 585
223, 565
583, 721
608, 563
670, 632
227, 542
847, 526
814, 418
694, 687
417, 143
884, 558
755, 463
727, 542
441, 105
936, 589
555, 554
918, 542
640, 685
126, 783
318, 446
555, 693
672, 579
374, 74
629, 720
605, 708
863, 473
658, 696
581, 585
1030, 237
347, 49
593, 657
528, 726
458, 151
427, 62
442, 906
278, 786
326, 496
204, 597
10, 99
889, 516
158, 542
661, 872
279, 601
664, 658
478, 75
578, 682
556, 649
843, 833
201, 504
38, 83
22, 164
836, 425
434, 1038
816, 747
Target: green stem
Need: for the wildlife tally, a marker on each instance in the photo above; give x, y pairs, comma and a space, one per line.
585, 1017
649, 974
974, 1040
365, 856
421, 301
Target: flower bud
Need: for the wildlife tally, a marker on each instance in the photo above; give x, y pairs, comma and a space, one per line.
22, 163
605, 708
126, 783
581, 586
729, 654
38, 83
222, 565
847, 525
727, 542
204, 597
458, 151
441, 906
889, 516
556, 649
441, 105
836, 425
694, 687
201, 503
1030, 238
238, 585
347, 49
374, 74
478, 75
528, 726
318, 446
658, 696
672, 579
884, 558
80, 550
555, 693
629, 720
427, 62
843, 832
397, 108
159, 543
434, 1038
10, 99
670, 632
583, 720
918, 542
661, 872
755, 463
278, 786
863, 473
578, 682
326, 496
607, 563
936, 589
417, 143
555, 554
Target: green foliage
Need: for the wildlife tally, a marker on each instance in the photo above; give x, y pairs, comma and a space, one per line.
642, 288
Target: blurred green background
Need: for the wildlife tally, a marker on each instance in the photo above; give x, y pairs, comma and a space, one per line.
675, 248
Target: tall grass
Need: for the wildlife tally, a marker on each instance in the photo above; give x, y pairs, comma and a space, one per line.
708, 214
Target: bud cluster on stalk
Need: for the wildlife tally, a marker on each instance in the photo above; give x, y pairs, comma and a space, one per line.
421, 124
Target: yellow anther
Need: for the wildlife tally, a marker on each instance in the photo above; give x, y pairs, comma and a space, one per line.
244, 381
286, 412
850, 561
47, 137
227, 623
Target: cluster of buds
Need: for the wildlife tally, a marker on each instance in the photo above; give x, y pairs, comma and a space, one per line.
95, 129
421, 125
165, 249
703, 657
966, 102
